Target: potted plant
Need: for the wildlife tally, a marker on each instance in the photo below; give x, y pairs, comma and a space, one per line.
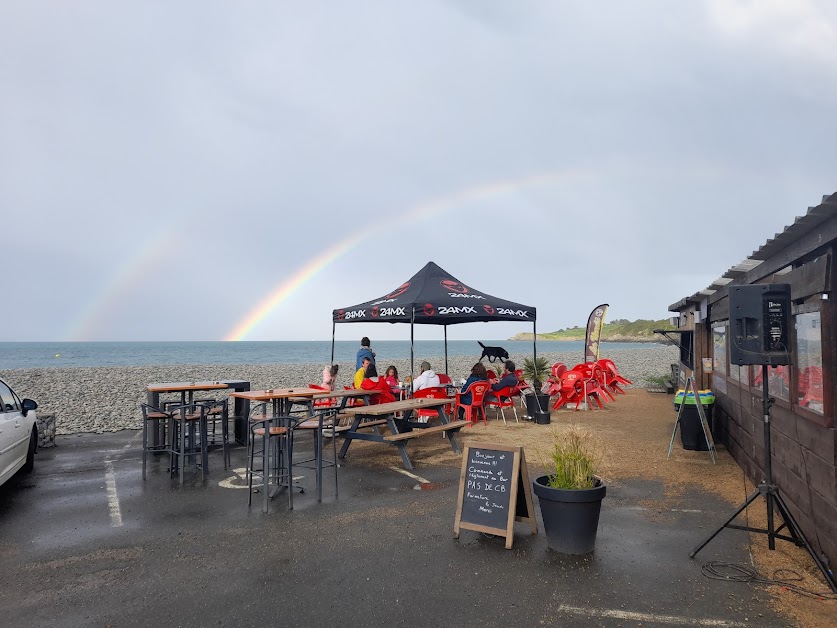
570, 497
537, 404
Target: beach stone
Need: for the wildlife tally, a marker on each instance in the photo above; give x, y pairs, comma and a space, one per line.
107, 398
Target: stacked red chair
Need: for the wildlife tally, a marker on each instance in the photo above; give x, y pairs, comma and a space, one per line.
596, 380
613, 380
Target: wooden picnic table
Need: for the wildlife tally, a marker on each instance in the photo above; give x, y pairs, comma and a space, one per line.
402, 430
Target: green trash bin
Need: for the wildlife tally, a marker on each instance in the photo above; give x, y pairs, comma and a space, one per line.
691, 432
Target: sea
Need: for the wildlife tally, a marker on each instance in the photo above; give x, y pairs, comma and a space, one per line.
19, 355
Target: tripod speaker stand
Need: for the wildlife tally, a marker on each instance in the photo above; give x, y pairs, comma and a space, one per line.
770, 492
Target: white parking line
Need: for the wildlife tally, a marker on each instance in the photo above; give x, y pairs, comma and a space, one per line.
113, 496
669, 620
411, 475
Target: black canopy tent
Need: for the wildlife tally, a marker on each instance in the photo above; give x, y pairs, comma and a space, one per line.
434, 297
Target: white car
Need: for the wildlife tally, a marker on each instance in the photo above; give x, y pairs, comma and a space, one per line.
18, 433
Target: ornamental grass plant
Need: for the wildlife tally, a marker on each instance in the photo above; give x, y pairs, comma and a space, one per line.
574, 459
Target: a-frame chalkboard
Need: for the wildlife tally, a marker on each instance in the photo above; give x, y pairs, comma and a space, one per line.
494, 491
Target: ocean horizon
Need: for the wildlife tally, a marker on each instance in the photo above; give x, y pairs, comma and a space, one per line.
20, 355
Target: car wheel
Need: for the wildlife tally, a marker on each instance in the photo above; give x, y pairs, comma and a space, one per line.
30, 455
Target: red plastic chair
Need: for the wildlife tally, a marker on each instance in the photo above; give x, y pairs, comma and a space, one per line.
328, 402
558, 369
596, 379
614, 380
444, 379
810, 385
575, 387
492, 376
435, 392
496, 401
478, 391
522, 388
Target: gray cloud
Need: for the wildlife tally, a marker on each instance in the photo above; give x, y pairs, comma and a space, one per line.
151, 152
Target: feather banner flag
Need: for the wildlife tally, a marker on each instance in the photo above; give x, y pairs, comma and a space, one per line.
594, 333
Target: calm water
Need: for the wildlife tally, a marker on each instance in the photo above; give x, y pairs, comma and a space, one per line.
14, 355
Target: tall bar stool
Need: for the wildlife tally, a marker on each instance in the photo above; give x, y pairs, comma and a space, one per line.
324, 419
217, 415
187, 441
161, 423
275, 457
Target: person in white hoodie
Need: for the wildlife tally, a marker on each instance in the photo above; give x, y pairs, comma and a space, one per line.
427, 379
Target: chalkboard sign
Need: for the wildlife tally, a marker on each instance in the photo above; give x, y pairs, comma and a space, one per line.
494, 491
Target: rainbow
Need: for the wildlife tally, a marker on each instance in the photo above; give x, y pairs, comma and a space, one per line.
86, 324
419, 212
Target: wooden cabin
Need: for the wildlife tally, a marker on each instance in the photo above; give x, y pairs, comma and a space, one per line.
803, 431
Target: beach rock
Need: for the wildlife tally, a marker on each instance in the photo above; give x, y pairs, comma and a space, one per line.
107, 398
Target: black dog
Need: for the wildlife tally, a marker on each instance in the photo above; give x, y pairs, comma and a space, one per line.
493, 353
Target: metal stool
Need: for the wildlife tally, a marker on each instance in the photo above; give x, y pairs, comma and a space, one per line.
275, 455
162, 428
323, 419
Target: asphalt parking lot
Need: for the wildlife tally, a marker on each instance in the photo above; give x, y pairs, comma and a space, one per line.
85, 542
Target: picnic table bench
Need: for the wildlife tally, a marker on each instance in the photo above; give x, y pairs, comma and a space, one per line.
402, 430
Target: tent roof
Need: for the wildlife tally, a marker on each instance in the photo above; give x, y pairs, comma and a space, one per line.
437, 298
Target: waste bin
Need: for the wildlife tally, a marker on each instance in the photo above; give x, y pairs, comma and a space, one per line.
691, 432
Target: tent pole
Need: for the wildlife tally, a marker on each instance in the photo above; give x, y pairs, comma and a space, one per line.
535, 343
333, 330
412, 374
446, 349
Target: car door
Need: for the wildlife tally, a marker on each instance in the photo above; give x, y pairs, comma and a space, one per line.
14, 437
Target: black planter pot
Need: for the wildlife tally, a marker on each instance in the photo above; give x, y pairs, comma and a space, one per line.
570, 516
542, 418
532, 404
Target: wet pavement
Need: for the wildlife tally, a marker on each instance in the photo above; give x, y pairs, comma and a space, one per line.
85, 542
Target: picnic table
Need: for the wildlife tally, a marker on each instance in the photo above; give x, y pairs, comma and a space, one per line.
402, 430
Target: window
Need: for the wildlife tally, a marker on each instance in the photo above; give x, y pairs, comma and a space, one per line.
7, 399
809, 381
719, 354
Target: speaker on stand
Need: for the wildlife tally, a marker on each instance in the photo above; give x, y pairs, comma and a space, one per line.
759, 317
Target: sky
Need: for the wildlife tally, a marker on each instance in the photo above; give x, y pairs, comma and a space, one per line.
217, 170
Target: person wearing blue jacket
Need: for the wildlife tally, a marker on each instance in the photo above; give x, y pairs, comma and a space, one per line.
364, 352
508, 380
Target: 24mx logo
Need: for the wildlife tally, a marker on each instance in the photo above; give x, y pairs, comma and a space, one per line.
454, 286
466, 296
355, 314
507, 312
392, 311
457, 310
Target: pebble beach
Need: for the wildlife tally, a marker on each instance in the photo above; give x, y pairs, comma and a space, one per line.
106, 399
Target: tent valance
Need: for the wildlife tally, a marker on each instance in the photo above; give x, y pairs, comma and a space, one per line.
434, 297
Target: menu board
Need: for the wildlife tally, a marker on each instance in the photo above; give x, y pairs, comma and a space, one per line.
494, 491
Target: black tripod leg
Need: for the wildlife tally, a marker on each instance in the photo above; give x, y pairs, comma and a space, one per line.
796, 533
741, 508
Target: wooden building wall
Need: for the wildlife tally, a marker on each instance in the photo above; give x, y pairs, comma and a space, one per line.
804, 443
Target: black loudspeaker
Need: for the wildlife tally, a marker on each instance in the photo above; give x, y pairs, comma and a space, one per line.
759, 318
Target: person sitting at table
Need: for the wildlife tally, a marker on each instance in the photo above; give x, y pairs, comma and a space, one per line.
392, 376
373, 382
364, 352
478, 374
330, 376
508, 380
361, 372
427, 378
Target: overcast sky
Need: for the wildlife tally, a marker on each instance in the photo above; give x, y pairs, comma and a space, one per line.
167, 166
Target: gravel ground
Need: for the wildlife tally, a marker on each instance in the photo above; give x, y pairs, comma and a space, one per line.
106, 399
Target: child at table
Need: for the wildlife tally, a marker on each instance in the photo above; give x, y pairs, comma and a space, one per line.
330, 376
373, 382
391, 377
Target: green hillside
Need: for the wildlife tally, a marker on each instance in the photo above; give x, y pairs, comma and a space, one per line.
620, 330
